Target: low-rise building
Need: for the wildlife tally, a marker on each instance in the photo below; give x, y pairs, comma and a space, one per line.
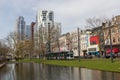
112, 28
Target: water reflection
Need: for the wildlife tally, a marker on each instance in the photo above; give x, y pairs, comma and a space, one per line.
34, 71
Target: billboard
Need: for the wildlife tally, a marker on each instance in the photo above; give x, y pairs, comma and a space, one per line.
94, 40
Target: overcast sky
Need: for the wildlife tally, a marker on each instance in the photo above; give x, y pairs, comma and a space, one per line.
71, 13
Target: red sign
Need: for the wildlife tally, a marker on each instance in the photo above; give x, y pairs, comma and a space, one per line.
94, 40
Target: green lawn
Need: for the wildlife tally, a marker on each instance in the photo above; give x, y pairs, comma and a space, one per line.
100, 64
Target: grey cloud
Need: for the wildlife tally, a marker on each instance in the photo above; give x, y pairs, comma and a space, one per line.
71, 13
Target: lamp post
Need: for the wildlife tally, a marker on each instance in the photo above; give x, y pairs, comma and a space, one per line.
79, 43
58, 35
49, 38
111, 53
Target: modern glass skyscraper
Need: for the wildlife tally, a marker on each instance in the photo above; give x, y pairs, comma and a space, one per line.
28, 32
20, 28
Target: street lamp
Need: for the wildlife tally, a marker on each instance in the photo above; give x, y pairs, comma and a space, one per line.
78, 43
111, 53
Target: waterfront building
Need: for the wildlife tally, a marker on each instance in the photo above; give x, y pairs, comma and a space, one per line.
112, 28
84, 42
73, 42
93, 49
63, 42
95, 41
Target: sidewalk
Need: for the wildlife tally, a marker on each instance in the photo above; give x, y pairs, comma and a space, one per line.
1, 65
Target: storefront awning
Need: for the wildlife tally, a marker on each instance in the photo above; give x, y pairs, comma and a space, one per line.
114, 50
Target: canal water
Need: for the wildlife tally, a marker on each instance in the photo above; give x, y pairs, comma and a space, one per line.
35, 71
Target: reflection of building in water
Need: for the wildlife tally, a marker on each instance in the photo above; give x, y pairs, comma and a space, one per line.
74, 73
110, 76
86, 74
96, 75
116, 76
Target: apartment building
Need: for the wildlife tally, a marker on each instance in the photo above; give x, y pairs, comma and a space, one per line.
83, 42
112, 29
46, 30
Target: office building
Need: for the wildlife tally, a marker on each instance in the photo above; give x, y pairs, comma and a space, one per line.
20, 28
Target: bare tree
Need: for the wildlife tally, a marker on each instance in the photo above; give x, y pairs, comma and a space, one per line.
12, 42
96, 25
46, 35
95, 22
3, 48
19, 51
69, 39
27, 48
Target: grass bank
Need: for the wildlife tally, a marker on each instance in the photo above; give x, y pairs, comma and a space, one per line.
99, 64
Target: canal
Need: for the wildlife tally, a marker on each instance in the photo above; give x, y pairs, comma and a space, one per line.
35, 71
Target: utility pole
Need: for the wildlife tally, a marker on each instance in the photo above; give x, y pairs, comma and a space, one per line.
49, 38
58, 35
111, 53
78, 43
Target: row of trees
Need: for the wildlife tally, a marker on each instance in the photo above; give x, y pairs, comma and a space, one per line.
3, 48
47, 39
28, 48
45, 36
19, 49
3, 51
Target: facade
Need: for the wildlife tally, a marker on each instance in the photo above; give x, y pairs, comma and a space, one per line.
46, 30
112, 29
27, 32
44, 17
73, 41
44, 22
32, 30
36, 38
20, 28
62, 43
95, 42
103, 34
84, 41
93, 49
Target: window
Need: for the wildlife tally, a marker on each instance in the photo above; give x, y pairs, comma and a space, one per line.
113, 39
118, 39
118, 29
105, 33
113, 30
107, 41
50, 19
92, 49
92, 43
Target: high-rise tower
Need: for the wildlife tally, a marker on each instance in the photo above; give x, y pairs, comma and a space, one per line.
20, 28
27, 32
44, 17
47, 31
